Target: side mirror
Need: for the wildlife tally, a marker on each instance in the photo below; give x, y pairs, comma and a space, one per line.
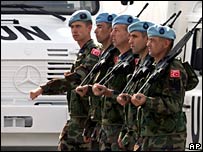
126, 2
197, 60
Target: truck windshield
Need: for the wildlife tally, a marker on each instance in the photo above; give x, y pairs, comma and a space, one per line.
59, 7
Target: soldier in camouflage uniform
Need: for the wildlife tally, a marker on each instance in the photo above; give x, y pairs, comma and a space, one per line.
112, 112
107, 58
163, 123
138, 42
71, 136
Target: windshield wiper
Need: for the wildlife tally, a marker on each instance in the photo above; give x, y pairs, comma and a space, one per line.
40, 8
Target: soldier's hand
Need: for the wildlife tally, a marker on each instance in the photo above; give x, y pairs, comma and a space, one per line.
98, 89
35, 93
82, 90
66, 73
120, 143
123, 98
86, 139
138, 99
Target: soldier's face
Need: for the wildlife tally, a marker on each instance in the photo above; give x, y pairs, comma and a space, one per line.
102, 32
80, 30
156, 46
138, 42
120, 35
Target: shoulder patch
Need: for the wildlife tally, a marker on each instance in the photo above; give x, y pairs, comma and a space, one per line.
136, 61
96, 52
175, 73
115, 59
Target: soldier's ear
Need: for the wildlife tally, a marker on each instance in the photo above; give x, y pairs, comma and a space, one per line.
89, 27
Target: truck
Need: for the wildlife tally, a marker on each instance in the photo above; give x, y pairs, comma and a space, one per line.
37, 46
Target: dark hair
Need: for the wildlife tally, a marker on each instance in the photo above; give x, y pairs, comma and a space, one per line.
88, 22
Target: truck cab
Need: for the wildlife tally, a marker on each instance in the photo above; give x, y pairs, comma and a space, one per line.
37, 46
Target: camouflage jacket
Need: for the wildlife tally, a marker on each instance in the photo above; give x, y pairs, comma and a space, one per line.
95, 101
162, 112
133, 87
86, 58
112, 111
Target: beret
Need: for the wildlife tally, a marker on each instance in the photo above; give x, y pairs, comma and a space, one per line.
141, 26
80, 15
161, 31
124, 19
105, 17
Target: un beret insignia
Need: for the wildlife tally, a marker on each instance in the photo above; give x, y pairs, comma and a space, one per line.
110, 18
161, 31
83, 16
130, 19
145, 26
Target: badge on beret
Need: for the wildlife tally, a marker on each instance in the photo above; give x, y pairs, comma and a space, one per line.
110, 18
83, 16
130, 19
161, 31
95, 52
175, 73
145, 26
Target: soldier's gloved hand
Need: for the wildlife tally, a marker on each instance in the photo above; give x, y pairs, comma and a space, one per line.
123, 98
138, 99
35, 93
98, 89
82, 90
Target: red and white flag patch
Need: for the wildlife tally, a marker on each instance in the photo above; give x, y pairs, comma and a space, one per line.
175, 73
115, 59
96, 52
136, 61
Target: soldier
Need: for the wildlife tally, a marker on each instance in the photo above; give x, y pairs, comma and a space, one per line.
71, 135
163, 123
138, 42
112, 112
103, 30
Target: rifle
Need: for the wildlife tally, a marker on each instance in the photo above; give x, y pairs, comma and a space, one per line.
171, 25
142, 9
121, 66
139, 72
99, 65
172, 16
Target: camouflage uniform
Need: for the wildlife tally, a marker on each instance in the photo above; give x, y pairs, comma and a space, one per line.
130, 131
93, 124
71, 136
112, 112
163, 123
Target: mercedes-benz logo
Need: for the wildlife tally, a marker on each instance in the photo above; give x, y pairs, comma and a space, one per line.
26, 78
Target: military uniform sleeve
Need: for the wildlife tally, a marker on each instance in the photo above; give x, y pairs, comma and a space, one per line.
55, 86
168, 96
82, 70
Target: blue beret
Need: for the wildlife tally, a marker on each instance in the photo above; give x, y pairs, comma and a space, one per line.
105, 17
80, 15
141, 26
124, 19
161, 31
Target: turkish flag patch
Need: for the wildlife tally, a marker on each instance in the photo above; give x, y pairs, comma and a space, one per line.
175, 73
96, 52
136, 61
115, 59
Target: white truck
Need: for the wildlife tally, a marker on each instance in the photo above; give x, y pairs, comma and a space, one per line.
37, 46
